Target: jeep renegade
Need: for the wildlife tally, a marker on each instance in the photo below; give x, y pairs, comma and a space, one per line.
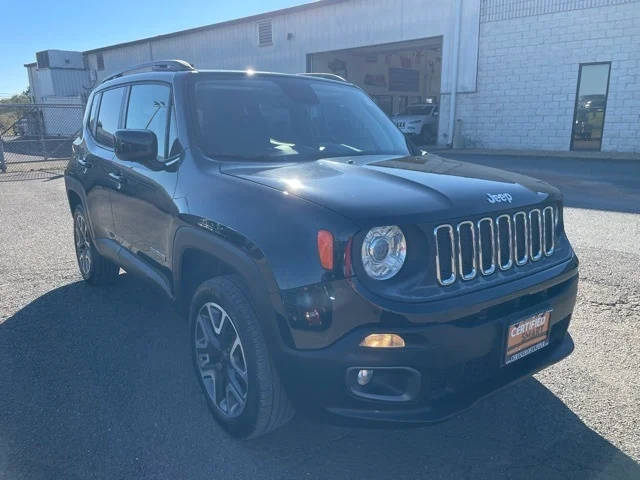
324, 262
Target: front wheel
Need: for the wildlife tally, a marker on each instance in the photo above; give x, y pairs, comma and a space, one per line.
234, 368
94, 268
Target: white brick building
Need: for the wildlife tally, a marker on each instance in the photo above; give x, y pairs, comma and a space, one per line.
528, 67
517, 64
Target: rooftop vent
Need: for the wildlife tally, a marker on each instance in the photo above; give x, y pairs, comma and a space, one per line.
265, 33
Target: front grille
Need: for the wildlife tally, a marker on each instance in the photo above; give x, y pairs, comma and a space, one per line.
468, 249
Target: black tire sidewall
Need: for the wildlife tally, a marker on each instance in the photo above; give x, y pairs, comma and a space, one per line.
244, 319
79, 210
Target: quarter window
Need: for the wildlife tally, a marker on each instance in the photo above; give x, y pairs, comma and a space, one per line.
108, 116
174, 147
91, 125
149, 110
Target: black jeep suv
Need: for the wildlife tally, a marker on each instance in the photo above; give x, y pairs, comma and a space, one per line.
325, 262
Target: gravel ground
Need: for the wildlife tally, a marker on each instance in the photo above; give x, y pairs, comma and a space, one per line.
97, 383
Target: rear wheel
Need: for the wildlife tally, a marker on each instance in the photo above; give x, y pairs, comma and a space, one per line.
94, 268
234, 368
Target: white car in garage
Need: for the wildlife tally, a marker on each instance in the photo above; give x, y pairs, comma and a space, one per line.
419, 121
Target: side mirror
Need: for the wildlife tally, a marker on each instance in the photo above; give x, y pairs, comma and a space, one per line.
136, 145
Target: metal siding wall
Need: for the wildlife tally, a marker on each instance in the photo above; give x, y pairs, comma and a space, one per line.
336, 26
120, 58
69, 82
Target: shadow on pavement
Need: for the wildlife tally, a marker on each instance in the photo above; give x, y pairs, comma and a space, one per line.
97, 383
586, 183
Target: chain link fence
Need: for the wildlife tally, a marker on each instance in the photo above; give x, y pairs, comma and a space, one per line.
35, 139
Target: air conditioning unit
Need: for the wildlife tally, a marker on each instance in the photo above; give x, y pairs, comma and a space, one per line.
60, 59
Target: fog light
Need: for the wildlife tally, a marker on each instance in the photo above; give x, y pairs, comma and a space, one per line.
383, 340
364, 376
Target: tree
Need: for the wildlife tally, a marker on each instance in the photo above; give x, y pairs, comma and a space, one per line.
8, 115
23, 97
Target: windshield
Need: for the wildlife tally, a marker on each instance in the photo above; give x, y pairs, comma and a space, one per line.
291, 119
418, 110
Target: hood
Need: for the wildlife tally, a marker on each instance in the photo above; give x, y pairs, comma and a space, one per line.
379, 189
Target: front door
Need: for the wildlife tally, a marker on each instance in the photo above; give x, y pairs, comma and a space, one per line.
143, 207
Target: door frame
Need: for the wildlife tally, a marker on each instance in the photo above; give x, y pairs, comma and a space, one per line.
575, 103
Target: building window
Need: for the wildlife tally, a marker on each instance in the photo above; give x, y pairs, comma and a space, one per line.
590, 106
265, 33
100, 61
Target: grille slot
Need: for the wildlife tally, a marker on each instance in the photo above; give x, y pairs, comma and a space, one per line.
467, 250
445, 255
535, 235
486, 246
549, 227
521, 243
503, 242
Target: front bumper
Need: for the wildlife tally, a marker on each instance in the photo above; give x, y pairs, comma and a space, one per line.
457, 361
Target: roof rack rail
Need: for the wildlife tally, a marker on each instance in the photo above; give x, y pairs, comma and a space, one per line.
155, 66
328, 76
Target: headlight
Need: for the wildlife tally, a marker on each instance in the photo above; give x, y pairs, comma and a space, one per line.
383, 252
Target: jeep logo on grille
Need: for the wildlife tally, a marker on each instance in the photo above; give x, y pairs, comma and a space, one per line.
499, 197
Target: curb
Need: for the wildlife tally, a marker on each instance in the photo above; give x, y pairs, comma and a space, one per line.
617, 156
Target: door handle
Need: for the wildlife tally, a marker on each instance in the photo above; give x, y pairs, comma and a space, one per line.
117, 178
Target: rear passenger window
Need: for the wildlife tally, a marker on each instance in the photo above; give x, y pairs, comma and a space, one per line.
149, 110
91, 125
108, 116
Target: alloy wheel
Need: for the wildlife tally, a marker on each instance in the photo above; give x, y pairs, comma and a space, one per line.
83, 245
220, 360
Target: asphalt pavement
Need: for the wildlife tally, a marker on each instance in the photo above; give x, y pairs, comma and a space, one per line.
98, 383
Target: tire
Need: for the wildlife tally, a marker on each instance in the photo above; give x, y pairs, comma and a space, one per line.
426, 136
220, 307
94, 268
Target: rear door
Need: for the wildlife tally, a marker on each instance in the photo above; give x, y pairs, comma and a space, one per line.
143, 208
95, 160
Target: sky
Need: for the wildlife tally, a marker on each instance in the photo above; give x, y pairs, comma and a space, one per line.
35, 25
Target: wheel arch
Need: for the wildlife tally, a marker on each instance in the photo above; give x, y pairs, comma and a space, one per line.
200, 255
74, 199
76, 196
75, 192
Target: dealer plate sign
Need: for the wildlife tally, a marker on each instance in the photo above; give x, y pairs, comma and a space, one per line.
527, 336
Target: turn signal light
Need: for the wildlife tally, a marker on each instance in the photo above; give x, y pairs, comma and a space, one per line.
325, 249
383, 340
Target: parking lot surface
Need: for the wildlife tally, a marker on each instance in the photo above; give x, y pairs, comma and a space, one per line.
98, 383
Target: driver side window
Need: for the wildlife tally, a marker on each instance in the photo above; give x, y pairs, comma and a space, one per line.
148, 109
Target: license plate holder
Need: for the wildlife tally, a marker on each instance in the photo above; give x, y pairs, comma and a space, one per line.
526, 336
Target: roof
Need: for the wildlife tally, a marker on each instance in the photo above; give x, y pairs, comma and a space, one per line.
251, 18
